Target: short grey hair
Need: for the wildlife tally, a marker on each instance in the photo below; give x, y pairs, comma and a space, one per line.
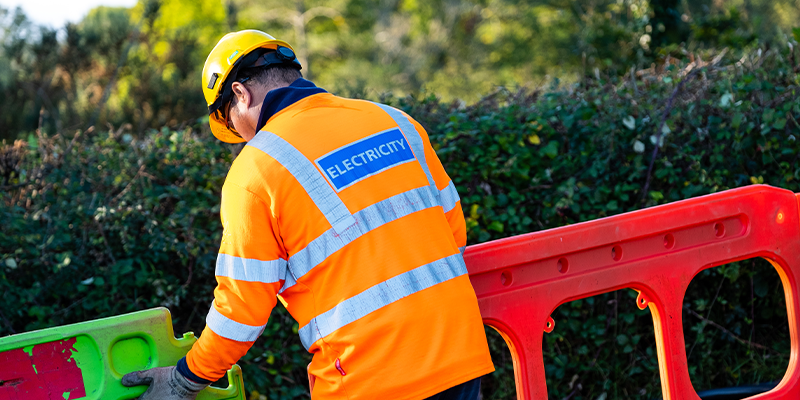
273, 76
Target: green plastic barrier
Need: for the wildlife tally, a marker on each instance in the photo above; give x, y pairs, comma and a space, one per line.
87, 360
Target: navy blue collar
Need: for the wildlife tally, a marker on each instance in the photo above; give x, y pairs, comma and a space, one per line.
278, 99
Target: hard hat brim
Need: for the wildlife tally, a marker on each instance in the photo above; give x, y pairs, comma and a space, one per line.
220, 130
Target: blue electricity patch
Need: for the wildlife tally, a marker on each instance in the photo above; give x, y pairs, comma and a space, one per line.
369, 156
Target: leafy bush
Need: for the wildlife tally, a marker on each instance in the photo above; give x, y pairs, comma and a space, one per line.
104, 223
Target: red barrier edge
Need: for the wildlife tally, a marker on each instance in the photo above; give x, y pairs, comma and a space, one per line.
657, 251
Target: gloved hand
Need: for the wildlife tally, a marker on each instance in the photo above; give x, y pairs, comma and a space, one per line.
166, 383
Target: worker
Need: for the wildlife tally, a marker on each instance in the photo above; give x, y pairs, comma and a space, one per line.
340, 209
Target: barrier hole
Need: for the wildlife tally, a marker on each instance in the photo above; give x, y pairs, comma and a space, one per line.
616, 252
499, 384
719, 229
602, 347
669, 241
221, 383
506, 278
563, 265
736, 328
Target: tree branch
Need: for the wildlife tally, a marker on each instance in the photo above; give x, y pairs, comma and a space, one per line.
128, 187
731, 334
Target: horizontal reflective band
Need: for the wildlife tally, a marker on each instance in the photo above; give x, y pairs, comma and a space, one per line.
370, 218
381, 295
307, 175
230, 329
250, 270
462, 249
414, 139
449, 197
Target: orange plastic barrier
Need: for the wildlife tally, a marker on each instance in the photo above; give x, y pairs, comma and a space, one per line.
657, 251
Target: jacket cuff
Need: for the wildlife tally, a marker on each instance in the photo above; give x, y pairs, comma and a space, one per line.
183, 369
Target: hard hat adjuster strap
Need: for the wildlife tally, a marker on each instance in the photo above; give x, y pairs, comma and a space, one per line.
259, 58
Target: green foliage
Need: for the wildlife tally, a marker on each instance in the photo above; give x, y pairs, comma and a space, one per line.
107, 222
524, 161
747, 299
104, 223
142, 65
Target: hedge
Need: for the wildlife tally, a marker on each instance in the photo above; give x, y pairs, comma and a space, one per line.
103, 222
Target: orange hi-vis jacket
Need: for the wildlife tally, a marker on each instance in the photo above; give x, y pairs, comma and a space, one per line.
342, 209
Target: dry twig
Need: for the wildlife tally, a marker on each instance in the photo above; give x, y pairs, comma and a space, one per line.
731, 334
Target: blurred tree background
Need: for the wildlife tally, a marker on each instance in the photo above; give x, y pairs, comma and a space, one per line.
544, 112
142, 65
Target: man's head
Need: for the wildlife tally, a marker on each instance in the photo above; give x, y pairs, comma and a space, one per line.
249, 90
238, 73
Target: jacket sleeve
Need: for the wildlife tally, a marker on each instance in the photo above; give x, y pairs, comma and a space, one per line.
448, 195
250, 269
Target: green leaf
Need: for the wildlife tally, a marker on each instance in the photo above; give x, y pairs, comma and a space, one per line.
760, 286
768, 115
726, 100
628, 317
622, 339
496, 226
780, 124
638, 146
657, 196
627, 349
33, 143
551, 150
629, 122
736, 122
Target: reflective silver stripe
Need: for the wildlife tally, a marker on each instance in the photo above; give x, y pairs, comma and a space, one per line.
381, 295
230, 329
449, 196
414, 139
309, 177
370, 218
251, 270
462, 249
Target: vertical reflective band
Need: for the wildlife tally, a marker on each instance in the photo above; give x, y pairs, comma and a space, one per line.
250, 270
370, 218
381, 295
230, 329
449, 197
304, 171
414, 139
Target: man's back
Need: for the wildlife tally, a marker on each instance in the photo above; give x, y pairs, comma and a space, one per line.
342, 210
352, 195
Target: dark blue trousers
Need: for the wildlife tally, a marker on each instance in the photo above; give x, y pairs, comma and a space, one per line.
466, 391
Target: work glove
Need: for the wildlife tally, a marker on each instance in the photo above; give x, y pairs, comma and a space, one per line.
166, 383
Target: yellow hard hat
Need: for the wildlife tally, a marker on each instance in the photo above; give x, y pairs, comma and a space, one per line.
223, 62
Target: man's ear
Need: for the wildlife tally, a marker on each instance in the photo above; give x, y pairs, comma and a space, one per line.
243, 95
